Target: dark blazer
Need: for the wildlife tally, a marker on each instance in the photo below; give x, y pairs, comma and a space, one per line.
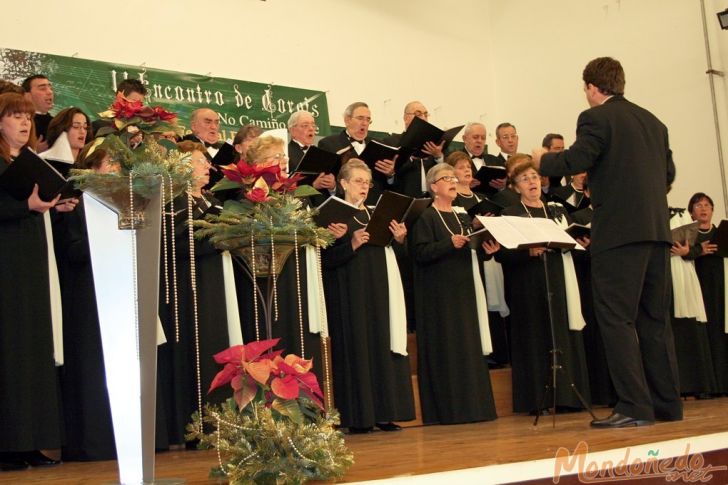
492, 160
625, 151
335, 143
409, 178
295, 154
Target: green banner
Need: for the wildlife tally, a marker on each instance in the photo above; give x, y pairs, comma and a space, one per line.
90, 86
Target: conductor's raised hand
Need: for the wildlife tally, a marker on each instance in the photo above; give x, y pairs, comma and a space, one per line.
459, 241
359, 238
399, 231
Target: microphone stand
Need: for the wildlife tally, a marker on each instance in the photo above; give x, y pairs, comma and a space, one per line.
556, 358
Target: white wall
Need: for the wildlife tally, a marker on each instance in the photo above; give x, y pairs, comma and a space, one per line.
496, 60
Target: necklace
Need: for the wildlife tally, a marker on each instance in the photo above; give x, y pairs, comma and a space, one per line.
705, 231
369, 217
460, 224
529, 212
466, 195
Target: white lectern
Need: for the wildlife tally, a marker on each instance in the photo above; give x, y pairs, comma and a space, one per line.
125, 266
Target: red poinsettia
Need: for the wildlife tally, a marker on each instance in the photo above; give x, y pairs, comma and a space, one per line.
126, 110
254, 366
259, 180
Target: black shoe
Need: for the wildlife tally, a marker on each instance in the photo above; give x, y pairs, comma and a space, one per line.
36, 458
543, 412
355, 430
616, 420
13, 465
389, 426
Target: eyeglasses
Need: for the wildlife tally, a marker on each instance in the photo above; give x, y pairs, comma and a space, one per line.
702, 205
307, 126
419, 114
365, 182
202, 160
448, 178
528, 178
79, 125
362, 119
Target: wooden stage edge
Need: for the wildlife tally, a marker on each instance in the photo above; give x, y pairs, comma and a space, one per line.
510, 447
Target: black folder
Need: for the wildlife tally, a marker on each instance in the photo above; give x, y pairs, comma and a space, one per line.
62, 166
415, 210
420, 132
390, 205
485, 206
334, 210
578, 230
376, 150
29, 169
485, 174
316, 161
477, 238
720, 237
571, 208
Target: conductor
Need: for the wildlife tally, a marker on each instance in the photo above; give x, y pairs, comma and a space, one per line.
625, 151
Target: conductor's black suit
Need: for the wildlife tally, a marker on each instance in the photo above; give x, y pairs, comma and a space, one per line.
625, 150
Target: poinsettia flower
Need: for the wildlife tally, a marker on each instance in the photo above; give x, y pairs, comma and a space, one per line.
237, 356
257, 195
163, 114
293, 376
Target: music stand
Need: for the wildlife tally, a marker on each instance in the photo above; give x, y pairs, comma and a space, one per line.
514, 232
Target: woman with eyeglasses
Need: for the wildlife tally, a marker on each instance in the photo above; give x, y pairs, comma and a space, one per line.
453, 336
29, 405
297, 336
202, 319
367, 318
689, 309
68, 133
526, 290
710, 268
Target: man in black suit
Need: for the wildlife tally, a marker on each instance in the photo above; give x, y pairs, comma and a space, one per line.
351, 142
39, 90
552, 142
625, 151
411, 173
205, 126
474, 136
302, 129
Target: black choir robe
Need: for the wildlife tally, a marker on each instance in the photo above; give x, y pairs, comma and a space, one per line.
452, 371
177, 360
531, 342
29, 396
372, 384
89, 432
335, 143
710, 273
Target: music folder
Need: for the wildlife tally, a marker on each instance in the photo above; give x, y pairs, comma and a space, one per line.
513, 232
578, 230
391, 205
334, 210
376, 150
720, 237
315, 162
485, 174
477, 238
485, 206
29, 169
687, 232
420, 132
570, 204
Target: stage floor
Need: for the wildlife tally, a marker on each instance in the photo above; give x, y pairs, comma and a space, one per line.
429, 449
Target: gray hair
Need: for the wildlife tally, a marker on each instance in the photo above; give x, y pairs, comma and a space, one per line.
349, 111
293, 120
434, 174
349, 166
470, 126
